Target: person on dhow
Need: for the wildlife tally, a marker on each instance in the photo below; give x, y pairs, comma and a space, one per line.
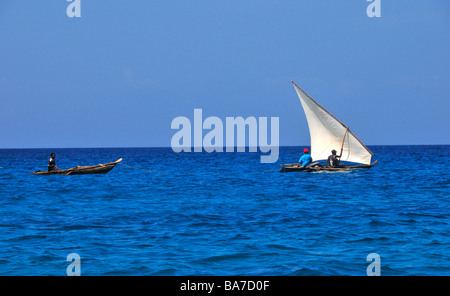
306, 159
334, 159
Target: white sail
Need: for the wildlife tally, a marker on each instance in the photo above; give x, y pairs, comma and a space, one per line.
328, 133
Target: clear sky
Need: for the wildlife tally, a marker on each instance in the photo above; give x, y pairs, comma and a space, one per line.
117, 76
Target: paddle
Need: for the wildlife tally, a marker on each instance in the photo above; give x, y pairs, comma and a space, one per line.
283, 165
271, 171
142, 169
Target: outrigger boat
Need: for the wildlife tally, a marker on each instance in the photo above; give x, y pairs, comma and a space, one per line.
296, 167
328, 133
82, 170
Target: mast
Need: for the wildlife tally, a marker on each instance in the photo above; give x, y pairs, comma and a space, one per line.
343, 141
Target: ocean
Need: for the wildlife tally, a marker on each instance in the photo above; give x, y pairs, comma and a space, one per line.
224, 214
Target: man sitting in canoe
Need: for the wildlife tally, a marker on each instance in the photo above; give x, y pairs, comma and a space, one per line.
52, 164
334, 160
306, 159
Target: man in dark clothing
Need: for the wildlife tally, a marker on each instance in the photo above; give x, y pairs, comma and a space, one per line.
52, 164
333, 159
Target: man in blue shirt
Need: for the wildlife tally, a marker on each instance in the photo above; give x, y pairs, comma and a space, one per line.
306, 159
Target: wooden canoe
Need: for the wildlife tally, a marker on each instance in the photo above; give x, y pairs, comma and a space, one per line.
295, 167
82, 170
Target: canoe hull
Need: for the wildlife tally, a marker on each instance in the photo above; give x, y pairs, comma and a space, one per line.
82, 170
296, 168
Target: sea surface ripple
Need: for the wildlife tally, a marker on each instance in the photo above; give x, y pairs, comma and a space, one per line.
224, 214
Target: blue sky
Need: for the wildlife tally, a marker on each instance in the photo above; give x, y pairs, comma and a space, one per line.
117, 76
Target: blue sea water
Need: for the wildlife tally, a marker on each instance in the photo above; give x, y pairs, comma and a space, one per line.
224, 214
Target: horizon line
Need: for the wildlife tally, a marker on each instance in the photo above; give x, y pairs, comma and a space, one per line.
140, 147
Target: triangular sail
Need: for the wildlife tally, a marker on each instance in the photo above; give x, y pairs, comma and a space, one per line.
328, 133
